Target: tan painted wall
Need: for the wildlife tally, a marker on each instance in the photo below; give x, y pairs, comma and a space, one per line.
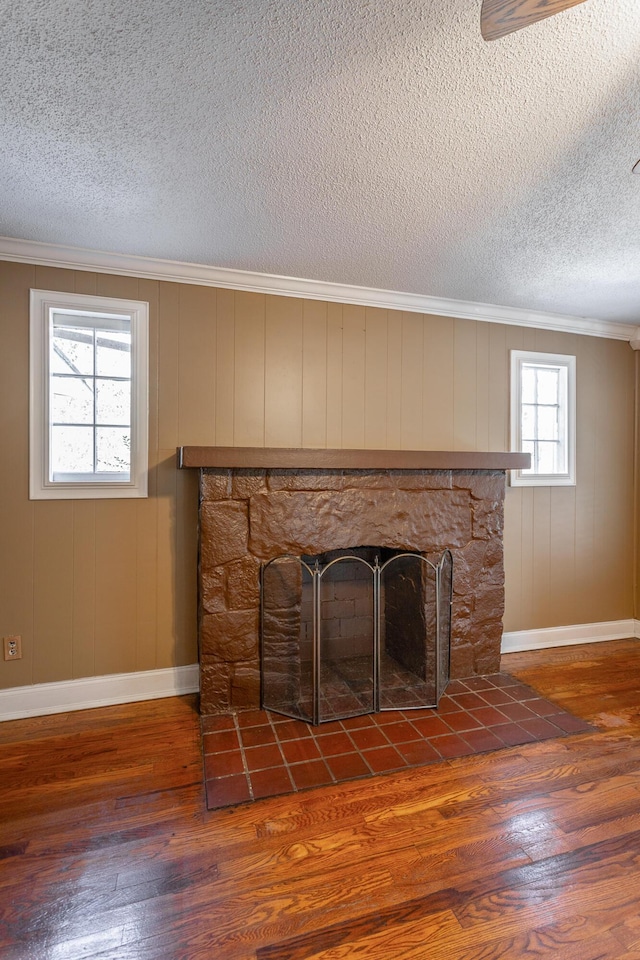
109, 586
636, 492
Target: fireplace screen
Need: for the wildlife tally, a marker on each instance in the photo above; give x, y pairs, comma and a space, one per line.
354, 631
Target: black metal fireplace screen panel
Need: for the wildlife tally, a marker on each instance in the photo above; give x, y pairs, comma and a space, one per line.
355, 631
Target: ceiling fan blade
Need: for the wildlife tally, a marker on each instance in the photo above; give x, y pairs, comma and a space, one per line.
500, 17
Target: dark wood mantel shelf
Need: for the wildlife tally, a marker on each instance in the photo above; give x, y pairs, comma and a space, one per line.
283, 458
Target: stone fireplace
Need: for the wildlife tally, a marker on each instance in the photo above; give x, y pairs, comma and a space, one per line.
259, 503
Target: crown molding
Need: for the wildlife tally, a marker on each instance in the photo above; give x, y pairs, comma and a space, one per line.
174, 271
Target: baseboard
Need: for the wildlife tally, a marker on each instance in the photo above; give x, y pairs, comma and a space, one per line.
86, 693
519, 640
83, 694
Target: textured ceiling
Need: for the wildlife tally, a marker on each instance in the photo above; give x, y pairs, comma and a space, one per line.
355, 141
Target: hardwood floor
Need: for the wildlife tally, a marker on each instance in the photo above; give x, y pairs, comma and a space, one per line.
107, 850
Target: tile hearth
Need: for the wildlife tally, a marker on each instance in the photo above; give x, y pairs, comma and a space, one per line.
256, 754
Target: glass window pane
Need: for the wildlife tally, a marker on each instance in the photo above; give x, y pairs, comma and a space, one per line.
113, 401
548, 385
528, 422
71, 350
547, 457
113, 353
71, 400
528, 446
547, 423
113, 450
528, 384
71, 449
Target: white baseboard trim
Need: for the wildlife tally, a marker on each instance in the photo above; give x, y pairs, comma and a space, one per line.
519, 640
40, 699
88, 692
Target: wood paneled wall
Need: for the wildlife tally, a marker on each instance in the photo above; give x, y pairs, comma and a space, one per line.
636, 490
110, 586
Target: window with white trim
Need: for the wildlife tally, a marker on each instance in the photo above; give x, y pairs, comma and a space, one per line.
89, 361
543, 417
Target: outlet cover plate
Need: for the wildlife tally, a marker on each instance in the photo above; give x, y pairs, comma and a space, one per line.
12, 648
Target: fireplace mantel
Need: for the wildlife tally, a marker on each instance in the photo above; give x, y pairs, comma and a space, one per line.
304, 458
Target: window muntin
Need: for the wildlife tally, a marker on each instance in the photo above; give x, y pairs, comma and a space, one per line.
89, 360
543, 416
90, 397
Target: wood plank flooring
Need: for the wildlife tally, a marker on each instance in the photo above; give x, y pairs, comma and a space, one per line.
107, 849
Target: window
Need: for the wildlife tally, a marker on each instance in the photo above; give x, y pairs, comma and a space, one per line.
543, 389
88, 397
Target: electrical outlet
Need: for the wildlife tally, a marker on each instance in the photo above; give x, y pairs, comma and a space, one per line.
13, 648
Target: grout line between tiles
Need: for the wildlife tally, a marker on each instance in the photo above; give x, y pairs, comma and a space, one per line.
242, 754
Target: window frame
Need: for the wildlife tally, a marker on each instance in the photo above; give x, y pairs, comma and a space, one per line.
537, 358
41, 486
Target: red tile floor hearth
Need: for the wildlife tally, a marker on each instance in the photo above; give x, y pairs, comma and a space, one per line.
256, 754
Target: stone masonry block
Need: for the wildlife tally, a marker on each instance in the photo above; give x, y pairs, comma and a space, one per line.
488, 519
230, 636
224, 532
245, 686
242, 586
482, 485
486, 649
309, 522
247, 482
467, 563
283, 585
281, 626
488, 604
306, 480
212, 590
215, 484
462, 661
215, 686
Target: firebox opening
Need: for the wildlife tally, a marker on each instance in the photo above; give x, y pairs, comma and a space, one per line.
354, 631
